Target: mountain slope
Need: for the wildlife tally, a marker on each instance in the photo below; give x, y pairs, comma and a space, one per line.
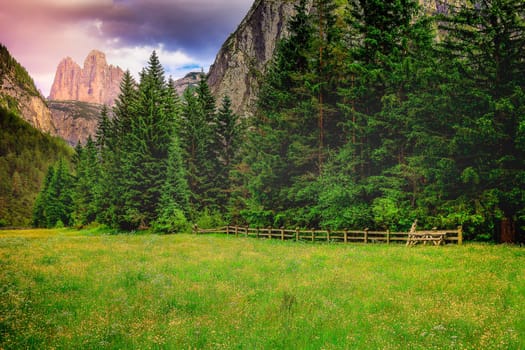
75, 120
240, 63
18, 92
25, 155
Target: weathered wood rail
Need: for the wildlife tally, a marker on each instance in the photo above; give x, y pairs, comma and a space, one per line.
344, 236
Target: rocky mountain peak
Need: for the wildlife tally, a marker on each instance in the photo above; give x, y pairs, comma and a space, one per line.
96, 82
95, 56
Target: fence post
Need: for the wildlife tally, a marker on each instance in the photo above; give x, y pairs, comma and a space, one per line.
227, 230
460, 235
366, 235
270, 232
236, 231
387, 236
246, 232
346, 235
282, 233
313, 235
328, 235
257, 232
297, 234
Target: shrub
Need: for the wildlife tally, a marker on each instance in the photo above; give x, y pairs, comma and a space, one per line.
172, 221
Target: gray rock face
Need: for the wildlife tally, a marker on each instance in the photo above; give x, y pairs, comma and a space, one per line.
191, 79
75, 120
242, 60
440, 6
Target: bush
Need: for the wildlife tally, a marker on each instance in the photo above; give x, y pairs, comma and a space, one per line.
172, 221
210, 219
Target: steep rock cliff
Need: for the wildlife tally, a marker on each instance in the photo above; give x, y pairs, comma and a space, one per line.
75, 121
96, 82
241, 61
18, 92
78, 94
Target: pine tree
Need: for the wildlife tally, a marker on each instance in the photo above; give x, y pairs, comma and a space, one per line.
105, 140
327, 67
124, 113
54, 205
123, 110
283, 144
174, 201
39, 209
198, 134
227, 143
386, 73
151, 132
87, 184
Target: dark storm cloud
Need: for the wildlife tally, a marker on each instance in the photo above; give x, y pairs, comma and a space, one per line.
199, 27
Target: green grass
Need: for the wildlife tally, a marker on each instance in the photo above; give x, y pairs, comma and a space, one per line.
67, 289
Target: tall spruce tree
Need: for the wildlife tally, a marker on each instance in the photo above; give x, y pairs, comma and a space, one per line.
198, 134
174, 202
228, 135
123, 114
87, 183
297, 121
145, 161
54, 206
105, 140
39, 209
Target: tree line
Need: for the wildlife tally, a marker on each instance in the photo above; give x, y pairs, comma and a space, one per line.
156, 161
371, 114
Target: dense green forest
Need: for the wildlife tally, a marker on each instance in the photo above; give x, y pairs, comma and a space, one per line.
372, 114
23, 166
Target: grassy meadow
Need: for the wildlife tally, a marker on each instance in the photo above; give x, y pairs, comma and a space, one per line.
67, 289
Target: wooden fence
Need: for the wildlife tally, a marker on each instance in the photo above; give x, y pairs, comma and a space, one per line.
345, 236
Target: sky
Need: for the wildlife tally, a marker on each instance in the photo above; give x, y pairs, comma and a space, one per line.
186, 34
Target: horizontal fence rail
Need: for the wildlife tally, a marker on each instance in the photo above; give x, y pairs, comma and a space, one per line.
436, 237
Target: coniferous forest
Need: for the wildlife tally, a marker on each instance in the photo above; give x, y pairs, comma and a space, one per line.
371, 114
